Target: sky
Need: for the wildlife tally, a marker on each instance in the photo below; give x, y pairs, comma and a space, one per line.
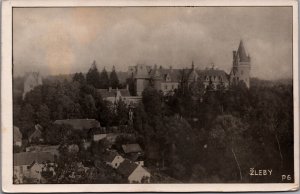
67, 40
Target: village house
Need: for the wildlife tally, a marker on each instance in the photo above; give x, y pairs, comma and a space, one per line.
113, 159
17, 136
132, 148
53, 149
36, 135
110, 137
85, 125
133, 172
30, 165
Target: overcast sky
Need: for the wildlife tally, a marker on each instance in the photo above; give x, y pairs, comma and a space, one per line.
67, 40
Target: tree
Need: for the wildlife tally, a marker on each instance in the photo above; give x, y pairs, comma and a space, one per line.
114, 81
122, 113
104, 80
43, 115
93, 77
34, 97
79, 77
227, 132
55, 134
89, 106
27, 120
104, 114
151, 99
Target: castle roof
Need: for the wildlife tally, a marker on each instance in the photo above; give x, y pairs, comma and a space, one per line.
193, 75
155, 73
213, 72
142, 71
242, 53
163, 73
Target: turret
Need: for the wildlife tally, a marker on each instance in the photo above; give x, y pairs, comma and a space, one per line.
240, 66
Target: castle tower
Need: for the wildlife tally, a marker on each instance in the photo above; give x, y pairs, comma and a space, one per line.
141, 78
32, 80
241, 66
156, 77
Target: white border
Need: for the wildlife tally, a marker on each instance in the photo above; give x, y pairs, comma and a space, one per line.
6, 101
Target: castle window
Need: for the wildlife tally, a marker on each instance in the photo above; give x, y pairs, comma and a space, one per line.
242, 72
172, 87
214, 77
166, 87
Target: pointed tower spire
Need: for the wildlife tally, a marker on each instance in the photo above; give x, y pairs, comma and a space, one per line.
193, 66
242, 52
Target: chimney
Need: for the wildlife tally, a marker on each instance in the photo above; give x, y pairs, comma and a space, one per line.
109, 88
171, 68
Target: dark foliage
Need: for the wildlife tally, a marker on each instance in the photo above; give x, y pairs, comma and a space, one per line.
113, 79
93, 77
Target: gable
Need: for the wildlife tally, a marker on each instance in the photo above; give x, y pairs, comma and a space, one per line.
138, 174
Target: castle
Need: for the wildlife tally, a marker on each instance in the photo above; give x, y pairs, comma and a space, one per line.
32, 80
167, 80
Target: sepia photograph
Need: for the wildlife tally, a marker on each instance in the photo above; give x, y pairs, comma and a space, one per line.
154, 95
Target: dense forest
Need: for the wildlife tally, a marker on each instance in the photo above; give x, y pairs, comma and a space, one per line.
196, 135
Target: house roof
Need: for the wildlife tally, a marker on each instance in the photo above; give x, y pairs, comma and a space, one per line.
79, 124
36, 133
27, 158
17, 134
131, 148
44, 148
126, 168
